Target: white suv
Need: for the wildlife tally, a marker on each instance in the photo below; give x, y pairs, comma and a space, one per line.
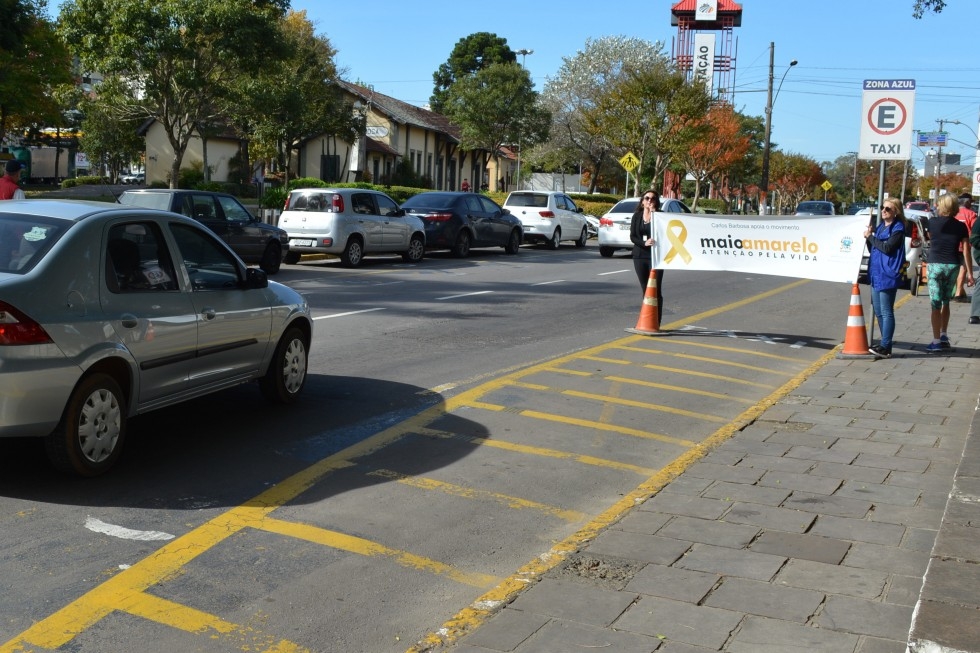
349, 223
548, 217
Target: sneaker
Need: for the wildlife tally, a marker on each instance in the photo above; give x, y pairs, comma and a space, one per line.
944, 342
934, 348
974, 319
881, 352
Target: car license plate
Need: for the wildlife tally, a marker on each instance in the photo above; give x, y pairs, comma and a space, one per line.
624, 227
300, 242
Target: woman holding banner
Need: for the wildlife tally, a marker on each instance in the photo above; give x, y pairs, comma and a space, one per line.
887, 247
641, 233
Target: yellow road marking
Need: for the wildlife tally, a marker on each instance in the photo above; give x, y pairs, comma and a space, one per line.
181, 617
559, 370
473, 493
361, 546
643, 404
713, 361
708, 375
541, 451
587, 423
704, 345
677, 388
480, 610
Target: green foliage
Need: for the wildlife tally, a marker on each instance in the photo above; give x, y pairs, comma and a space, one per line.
191, 177
307, 182
89, 180
211, 186
273, 198
404, 174
497, 106
158, 184
109, 137
470, 55
921, 6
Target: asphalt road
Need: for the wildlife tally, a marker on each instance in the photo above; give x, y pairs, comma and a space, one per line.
463, 421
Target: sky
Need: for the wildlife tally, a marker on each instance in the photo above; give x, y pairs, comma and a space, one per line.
396, 46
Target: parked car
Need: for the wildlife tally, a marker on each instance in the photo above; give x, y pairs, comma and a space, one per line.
112, 311
349, 223
256, 242
614, 226
458, 221
133, 178
918, 206
548, 217
815, 207
916, 247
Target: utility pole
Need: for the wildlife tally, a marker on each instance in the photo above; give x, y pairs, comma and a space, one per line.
939, 162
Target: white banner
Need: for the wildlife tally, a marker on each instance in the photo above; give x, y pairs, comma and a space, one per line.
824, 248
704, 59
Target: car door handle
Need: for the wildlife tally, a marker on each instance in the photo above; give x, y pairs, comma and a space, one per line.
208, 313
129, 321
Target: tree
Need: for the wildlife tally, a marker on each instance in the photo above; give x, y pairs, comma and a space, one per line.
722, 146
298, 98
793, 177
113, 142
581, 83
471, 54
33, 62
174, 60
921, 6
652, 112
497, 106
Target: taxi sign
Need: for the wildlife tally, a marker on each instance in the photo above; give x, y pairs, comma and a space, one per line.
629, 161
886, 119
826, 185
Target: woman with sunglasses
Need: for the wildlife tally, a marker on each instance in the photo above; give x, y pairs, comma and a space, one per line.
887, 247
641, 233
948, 252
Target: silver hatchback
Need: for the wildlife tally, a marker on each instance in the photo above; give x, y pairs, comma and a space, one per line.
349, 223
107, 312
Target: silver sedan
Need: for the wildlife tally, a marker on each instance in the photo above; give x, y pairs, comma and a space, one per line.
107, 312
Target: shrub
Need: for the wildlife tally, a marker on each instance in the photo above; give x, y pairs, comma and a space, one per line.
273, 198
307, 182
211, 186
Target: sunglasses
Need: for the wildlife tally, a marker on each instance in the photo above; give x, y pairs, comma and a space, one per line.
649, 198
887, 209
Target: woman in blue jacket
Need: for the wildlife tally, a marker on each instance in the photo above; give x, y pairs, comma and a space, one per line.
887, 246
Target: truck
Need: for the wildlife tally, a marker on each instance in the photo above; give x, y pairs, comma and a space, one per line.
41, 163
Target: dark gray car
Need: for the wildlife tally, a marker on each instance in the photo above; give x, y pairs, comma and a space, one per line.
254, 241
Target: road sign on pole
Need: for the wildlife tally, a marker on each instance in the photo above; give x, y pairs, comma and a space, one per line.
886, 119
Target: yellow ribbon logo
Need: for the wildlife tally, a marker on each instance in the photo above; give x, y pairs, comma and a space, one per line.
677, 234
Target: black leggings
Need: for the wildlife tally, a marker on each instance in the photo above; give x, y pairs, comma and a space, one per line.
642, 267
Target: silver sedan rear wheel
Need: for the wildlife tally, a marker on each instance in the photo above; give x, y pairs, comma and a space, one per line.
89, 438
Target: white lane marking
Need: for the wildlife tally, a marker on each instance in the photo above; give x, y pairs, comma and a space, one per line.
602, 274
366, 310
99, 526
468, 294
546, 283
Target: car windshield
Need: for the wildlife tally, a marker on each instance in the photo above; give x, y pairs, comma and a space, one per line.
814, 207
159, 201
310, 201
23, 242
626, 206
528, 199
438, 201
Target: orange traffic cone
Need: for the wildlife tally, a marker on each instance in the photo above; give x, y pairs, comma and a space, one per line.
648, 323
856, 334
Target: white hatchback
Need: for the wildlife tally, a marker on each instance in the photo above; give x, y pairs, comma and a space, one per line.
548, 217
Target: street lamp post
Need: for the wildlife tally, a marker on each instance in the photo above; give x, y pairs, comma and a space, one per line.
854, 180
764, 186
523, 52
